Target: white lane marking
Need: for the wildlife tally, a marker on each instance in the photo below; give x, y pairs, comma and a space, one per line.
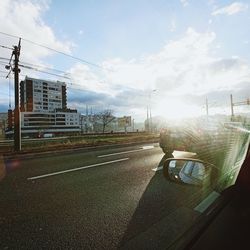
147, 147
125, 152
207, 202
158, 168
76, 169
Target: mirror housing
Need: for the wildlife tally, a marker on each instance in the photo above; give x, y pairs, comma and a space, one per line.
188, 170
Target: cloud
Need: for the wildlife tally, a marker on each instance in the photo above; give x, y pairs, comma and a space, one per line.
173, 66
184, 3
231, 9
24, 19
184, 67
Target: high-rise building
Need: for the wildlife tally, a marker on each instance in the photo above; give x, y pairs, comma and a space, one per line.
43, 106
38, 95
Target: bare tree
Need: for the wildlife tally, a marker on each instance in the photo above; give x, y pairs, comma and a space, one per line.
106, 117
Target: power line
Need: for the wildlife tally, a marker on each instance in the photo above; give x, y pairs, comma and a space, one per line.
70, 84
44, 67
49, 73
39, 66
5, 47
57, 51
42, 71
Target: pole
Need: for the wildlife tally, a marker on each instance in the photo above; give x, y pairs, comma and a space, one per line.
150, 110
150, 119
147, 124
17, 130
207, 107
232, 107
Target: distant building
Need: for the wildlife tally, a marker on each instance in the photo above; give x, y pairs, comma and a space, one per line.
43, 106
3, 122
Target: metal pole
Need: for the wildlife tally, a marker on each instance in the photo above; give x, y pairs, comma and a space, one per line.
207, 107
150, 119
17, 127
232, 107
147, 124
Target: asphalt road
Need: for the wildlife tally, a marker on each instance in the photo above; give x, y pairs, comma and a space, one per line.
94, 199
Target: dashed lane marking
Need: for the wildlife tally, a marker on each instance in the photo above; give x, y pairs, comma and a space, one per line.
126, 152
76, 169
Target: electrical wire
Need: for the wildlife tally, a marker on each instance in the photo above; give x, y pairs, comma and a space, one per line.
42, 71
5, 47
54, 50
44, 67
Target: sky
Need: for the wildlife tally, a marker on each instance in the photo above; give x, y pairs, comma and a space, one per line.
166, 55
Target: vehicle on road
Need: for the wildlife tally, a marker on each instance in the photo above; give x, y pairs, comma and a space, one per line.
48, 135
173, 138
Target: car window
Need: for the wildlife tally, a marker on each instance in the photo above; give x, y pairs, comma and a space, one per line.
198, 171
188, 168
119, 120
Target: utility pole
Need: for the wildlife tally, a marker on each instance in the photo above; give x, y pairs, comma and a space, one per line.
207, 107
247, 102
150, 119
150, 111
232, 108
147, 123
17, 127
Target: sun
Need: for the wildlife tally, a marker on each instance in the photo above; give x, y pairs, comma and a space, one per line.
176, 109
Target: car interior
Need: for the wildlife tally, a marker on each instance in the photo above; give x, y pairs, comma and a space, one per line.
225, 223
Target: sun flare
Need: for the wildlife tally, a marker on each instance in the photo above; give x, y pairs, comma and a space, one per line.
176, 109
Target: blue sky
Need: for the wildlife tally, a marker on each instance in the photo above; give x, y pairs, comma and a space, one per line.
187, 50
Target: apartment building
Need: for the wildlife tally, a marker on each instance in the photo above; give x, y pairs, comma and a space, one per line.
43, 106
38, 95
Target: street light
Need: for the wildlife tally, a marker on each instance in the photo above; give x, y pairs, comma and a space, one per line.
150, 110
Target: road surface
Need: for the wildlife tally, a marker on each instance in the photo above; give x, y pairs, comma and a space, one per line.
106, 198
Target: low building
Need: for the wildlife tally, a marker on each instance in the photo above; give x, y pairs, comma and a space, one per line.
57, 123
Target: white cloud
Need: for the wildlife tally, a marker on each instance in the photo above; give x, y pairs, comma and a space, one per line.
184, 67
24, 19
184, 3
231, 9
84, 78
174, 64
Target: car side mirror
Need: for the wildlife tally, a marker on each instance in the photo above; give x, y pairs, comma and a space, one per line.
187, 170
